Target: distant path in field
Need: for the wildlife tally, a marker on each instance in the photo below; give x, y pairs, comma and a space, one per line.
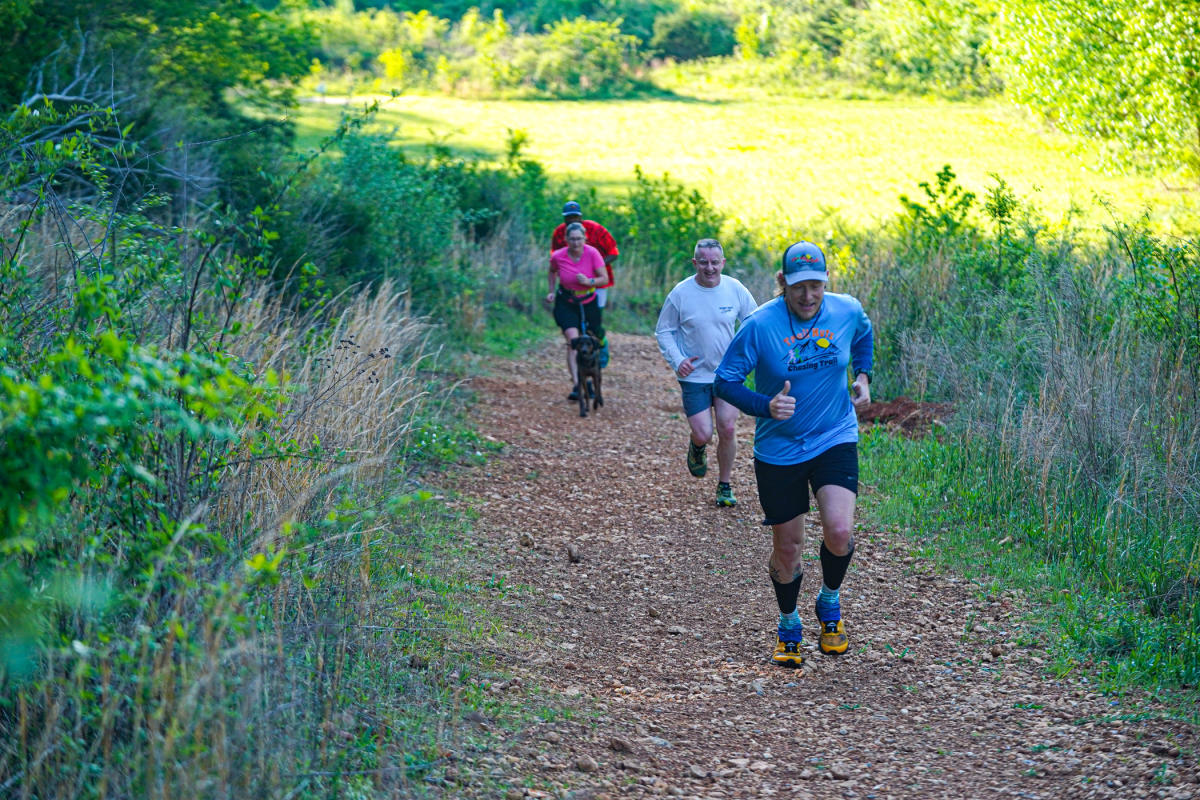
658, 637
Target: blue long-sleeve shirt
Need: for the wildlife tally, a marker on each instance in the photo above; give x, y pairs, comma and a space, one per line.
776, 345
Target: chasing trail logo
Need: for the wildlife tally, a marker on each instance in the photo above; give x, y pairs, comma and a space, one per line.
811, 349
804, 258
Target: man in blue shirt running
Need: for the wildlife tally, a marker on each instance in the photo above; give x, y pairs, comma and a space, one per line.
799, 346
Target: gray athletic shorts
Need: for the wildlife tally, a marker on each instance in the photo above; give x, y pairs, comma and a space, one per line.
697, 397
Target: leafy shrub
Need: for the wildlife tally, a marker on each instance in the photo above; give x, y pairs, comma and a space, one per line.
689, 33
661, 221
1071, 366
1123, 72
578, 58
178, 526
941, 219
811, 34
402, 216
922, 45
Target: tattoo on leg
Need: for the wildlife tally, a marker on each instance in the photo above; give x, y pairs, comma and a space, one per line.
777, 575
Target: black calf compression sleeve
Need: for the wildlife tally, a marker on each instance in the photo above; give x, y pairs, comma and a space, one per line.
786, 593
834, 567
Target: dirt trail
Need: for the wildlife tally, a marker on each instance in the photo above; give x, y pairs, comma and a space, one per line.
659, 634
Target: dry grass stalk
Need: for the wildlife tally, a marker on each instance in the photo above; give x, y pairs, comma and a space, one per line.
355, 395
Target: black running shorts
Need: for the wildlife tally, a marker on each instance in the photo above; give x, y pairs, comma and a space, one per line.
567, 314
783, 488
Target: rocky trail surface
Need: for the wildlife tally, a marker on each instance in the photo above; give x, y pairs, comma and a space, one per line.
652, 619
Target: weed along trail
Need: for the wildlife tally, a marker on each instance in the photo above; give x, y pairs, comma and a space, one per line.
649, 617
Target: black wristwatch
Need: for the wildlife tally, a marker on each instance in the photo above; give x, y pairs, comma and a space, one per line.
866, 372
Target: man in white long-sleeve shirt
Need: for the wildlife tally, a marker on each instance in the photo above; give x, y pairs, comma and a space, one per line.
695, 326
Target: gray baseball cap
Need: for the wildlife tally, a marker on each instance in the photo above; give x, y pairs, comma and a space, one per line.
804, 261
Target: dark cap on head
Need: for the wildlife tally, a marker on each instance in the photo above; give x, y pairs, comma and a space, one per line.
804, 261
572, 208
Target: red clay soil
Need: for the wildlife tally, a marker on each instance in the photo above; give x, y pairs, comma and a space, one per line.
651, 618
905, 416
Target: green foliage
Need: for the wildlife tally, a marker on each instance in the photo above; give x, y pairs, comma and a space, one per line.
104, 424
200, 49
934, 46
1071, 369
925, 228
81, 415
1161, 289
661, 223
195, 554
375, 214
1126, 600
403, 216
579, 58
185, 73
1123, 71
925, 46
810, 33
636, 17
690, 32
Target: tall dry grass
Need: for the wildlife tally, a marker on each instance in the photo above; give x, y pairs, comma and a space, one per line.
354, 388
1076, 433
292, 680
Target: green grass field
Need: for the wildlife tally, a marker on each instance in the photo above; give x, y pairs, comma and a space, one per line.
791, 159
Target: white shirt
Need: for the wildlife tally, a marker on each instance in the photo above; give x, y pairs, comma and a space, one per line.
699, 321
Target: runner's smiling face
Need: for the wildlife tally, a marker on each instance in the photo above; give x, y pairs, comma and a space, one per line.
709, 261
804, 298
575, 241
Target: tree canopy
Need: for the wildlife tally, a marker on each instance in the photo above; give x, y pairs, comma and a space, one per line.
1127, 71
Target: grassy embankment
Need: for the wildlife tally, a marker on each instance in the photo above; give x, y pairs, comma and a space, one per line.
1041, 325
307, 626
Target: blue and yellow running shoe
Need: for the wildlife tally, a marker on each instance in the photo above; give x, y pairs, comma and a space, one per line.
833, 634
787, 648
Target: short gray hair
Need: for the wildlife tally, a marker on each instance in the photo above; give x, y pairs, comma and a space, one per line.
575, 226
713, 243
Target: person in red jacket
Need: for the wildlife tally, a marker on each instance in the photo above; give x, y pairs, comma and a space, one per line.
599, 238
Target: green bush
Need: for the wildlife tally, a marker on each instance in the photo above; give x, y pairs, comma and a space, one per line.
571, 57
689, 33
200, 560
578, 58
936, 46
657, 227
810, 35
402, 216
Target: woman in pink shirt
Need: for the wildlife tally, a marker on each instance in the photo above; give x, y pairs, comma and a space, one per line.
577, 269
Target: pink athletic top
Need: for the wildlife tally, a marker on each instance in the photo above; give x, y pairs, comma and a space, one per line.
589, 265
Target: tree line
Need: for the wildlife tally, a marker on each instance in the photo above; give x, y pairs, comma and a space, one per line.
1126, 72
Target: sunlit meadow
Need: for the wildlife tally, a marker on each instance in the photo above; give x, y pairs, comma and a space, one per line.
786, 158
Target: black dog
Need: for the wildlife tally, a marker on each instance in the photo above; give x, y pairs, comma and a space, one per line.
587, 362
